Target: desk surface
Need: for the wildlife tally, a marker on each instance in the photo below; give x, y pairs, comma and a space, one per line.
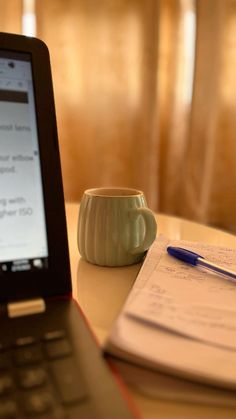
101, 293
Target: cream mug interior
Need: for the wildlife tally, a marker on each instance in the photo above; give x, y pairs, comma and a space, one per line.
115, 227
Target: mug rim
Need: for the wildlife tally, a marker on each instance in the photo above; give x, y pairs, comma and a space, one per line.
113, 192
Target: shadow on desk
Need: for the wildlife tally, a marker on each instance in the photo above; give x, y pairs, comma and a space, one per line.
101, 292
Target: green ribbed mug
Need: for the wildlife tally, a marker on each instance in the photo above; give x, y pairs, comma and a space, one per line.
115, 227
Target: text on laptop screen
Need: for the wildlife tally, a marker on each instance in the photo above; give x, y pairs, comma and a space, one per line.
23, 238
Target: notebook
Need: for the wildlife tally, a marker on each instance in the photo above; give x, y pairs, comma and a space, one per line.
50, 365
175, 335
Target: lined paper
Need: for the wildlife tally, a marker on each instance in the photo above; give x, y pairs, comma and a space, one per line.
184, 299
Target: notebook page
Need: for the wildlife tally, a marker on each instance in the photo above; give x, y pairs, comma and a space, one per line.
184, 299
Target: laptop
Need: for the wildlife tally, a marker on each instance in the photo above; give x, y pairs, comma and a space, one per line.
50, 365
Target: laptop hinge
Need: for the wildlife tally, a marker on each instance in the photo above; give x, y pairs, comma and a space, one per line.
26, 307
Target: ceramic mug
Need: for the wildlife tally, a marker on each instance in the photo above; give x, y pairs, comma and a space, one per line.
115, 227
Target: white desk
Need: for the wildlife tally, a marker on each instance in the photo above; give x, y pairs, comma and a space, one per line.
101, 293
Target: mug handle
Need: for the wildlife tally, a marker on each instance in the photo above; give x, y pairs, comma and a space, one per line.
150, 228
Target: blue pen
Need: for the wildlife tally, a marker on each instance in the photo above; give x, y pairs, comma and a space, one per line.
197, 260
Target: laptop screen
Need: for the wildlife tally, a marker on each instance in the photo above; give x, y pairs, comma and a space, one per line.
23, 236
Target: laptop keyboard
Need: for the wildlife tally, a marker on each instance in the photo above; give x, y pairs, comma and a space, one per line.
39, 378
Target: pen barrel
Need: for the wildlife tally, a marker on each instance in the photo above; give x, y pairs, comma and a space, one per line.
216, 268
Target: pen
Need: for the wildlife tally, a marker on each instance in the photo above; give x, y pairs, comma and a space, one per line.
194, 259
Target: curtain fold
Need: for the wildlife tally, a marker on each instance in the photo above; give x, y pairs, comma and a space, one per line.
210, 192
145, 97
176, 53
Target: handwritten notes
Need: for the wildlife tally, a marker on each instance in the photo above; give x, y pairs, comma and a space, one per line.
184, 299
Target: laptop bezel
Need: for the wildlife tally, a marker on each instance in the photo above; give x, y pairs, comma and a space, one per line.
56, 279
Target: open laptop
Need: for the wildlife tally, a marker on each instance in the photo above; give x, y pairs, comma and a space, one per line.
50, 366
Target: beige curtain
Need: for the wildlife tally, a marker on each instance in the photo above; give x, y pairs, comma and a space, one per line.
145, 95
10, 16
104, 64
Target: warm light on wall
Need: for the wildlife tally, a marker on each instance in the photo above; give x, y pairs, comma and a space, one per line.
29, 18
187, 50
189, 35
